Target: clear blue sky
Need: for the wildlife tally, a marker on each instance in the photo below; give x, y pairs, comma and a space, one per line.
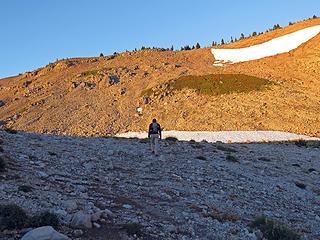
36, 32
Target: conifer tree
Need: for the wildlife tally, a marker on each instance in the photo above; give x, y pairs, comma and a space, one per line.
276, 26
314, 17
171, 48
242, 36
231, 39
101, 54
187, 47
222, 41
198, 45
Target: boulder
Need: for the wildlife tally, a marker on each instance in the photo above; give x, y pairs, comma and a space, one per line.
81, 220
42, 174
96, 225
70, 205
44, 233
107, 213
96, 216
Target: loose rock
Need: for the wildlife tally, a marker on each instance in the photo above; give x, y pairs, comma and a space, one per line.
44, 233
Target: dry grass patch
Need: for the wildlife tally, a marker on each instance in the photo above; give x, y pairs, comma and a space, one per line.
226, 149
94, 72
273, 230
231, 158
222, 217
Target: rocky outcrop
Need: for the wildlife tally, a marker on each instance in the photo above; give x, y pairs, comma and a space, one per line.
82, 220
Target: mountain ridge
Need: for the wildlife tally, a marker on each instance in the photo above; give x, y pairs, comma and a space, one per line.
100, 95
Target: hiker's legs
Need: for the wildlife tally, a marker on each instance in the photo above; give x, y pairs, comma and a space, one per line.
156, 144
152, 142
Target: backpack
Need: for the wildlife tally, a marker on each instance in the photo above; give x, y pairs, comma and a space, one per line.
154, 128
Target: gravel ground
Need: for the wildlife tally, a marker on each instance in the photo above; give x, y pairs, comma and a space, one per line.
193, 190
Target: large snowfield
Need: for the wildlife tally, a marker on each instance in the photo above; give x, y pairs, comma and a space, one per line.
225, 136
275, 46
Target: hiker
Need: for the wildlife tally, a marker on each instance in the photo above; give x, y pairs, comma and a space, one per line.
154, 134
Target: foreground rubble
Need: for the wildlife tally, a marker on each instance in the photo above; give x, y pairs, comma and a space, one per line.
106, 186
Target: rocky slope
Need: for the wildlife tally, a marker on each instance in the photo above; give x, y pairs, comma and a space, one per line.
193, 190
100, 96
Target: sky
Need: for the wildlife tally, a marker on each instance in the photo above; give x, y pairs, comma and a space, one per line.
36, 32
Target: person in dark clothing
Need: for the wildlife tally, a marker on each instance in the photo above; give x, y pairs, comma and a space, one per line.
154, 134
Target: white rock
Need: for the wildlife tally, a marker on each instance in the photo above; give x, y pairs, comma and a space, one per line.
81, 219
127, 206
172, 228
77, 233
60, 212
67, 219
107, 213
44, 233
42, 174
96, 225
96, 216
70, 205
81, 188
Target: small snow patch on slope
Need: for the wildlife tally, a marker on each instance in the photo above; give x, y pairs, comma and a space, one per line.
225, 136
275, 46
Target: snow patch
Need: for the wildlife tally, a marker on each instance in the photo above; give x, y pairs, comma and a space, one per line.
225, 136
275, 46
